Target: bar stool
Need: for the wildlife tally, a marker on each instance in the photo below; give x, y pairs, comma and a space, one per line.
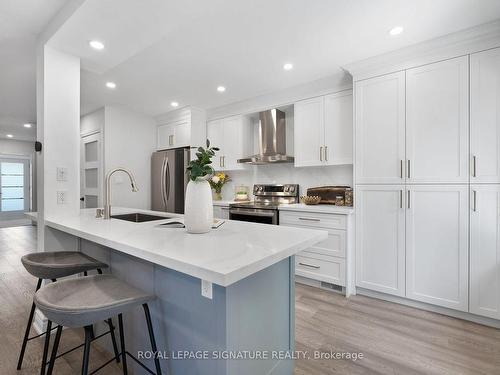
52, 266
84, 301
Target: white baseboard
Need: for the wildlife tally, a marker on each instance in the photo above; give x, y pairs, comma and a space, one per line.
427, 307
316, 284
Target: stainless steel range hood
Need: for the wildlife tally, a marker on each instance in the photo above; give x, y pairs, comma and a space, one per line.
272, 139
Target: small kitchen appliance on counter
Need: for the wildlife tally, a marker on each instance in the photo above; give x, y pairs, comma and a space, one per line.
264, 207
336, 195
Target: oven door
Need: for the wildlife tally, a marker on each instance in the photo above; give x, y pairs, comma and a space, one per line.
254, 215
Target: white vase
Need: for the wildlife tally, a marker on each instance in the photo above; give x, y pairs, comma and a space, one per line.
198, 211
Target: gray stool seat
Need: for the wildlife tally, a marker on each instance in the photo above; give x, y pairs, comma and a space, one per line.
85, 300
57, 264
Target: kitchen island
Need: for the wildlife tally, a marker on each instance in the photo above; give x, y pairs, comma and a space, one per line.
244, 270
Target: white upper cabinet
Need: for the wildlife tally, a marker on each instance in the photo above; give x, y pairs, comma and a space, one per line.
437, 122
338, 128
234, 137
380, 238
309, 132
185, 127
437, 245
323, 130
380, 130
485, 251
485, 116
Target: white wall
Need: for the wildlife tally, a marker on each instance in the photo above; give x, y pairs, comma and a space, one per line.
23, 148
92, 122
129, 141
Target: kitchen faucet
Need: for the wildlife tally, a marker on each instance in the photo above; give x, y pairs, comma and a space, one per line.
107, 191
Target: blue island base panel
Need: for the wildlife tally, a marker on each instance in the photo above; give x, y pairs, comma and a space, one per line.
246, 329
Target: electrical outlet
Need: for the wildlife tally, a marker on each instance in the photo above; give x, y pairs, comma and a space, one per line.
62, 174
206, 289
61, 197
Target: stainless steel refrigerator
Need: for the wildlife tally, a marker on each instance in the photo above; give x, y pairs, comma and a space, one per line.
169, 179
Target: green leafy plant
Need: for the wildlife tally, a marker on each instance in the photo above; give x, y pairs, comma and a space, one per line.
202, 165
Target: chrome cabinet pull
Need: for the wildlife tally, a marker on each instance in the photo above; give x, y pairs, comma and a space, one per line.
409, 169
224, 161
309, 265
409, 198
474, 200
401, 169
401, 198
308, 219
321, 153
220, 161
326, 153
474, 171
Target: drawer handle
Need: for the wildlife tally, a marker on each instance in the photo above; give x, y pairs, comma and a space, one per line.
309, 265
308, 219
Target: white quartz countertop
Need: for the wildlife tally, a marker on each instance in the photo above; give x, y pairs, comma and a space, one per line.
321, 208
223, 256
225, 203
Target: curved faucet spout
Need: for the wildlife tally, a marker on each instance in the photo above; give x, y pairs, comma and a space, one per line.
107, 190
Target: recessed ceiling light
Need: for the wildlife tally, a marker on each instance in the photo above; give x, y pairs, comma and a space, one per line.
95, 44
111, 85
10, 136
288, 66
221, 89
396, 30
27, 125
174, 104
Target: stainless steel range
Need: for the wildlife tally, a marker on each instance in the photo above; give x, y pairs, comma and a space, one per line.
264, 208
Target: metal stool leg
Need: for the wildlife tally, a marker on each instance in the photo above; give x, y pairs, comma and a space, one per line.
122, 344
46, 347
54, 350
86, 349
152, 338
28, 329
113, 339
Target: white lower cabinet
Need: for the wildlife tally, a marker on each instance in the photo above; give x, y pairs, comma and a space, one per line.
485, 251
221, 212
380, 238
325, 261
437, 241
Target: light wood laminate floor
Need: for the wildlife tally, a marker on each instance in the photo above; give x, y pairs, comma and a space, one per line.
394, 339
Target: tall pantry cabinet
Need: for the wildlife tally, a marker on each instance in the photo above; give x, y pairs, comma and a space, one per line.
415, 163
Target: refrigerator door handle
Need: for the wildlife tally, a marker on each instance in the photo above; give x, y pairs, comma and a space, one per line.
167, 193
165, 161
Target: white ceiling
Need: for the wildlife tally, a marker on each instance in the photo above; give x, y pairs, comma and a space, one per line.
158, 51
20, 23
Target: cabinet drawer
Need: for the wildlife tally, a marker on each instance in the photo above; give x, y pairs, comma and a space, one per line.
315, 220
335, 245
331, 270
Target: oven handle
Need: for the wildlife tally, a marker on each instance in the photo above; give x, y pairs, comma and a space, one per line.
240, 211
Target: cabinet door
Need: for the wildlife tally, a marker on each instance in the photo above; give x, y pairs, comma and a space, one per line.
437, 122
166, 137
485, 251
215, 133
380, 244
224, 213
485, 116
338, 128
380, 129
182, 134
235, 142
309, 132
437, 245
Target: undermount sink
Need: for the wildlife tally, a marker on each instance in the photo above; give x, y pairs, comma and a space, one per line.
138, 217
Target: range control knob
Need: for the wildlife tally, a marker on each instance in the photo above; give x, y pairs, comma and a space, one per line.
286, 188
261, 188
292, 189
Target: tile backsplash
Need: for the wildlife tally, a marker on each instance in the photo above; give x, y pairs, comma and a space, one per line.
288, 174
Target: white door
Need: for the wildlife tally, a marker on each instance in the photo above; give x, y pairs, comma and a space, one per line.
215, 134
182, 134
437, 122
485, 116
309, 134
485, 251
338, 128
380, 129
91, 171
15, 191
380, 238
234, 143
437, 228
